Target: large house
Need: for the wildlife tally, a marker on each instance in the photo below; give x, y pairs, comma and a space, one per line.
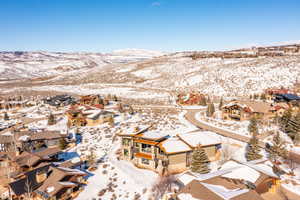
234, 181
29, 140
87, 116
244, 110
49, 182
163, 153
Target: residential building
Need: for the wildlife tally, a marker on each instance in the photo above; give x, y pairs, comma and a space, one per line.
163, 153
244, 110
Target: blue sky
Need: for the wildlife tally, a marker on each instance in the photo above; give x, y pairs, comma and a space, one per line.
167, 25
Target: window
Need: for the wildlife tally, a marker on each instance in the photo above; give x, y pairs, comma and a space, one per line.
160, 152
145, 161
136, 145
125, 142
126, 153
146, 148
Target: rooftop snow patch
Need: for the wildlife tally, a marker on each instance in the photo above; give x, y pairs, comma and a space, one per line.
154, 135
224, 192
174, 145
203, 138
242, 172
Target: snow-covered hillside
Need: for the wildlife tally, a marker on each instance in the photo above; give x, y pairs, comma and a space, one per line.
142, 70
16, 65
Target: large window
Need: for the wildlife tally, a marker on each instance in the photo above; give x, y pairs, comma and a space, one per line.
146, 148
125, 142
145, 161
126, 153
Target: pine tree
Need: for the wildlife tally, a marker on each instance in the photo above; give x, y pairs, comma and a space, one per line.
285, 121
210, 110
277, 148
253, 150
221, 104
6, 117
131, 111
62, 144
51, 119
199, 161
252, 128
115, 98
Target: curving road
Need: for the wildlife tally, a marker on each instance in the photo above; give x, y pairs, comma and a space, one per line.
191, 117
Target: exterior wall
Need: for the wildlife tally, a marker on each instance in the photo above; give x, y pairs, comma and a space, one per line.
210, 152
177, 163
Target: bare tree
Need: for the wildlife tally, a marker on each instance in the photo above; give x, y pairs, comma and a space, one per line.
28, 189
163, 185
292, 165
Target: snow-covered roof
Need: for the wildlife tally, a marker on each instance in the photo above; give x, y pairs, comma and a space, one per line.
67, 183
50, 189
241, 171
204, 138
186, 178
174, 145
186, 196
154, 135
224, 192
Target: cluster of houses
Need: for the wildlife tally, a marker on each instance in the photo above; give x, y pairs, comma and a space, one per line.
276, 102
88, 112
38, 175
15, 103
192, 98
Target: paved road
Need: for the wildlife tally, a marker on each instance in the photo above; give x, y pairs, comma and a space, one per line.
191, 117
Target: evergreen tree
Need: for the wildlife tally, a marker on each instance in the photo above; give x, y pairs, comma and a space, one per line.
277, 148
199, 161
285, 124
253, 150
115, 98
250, 97
6, 117
51, 119
131, 111
252, 128
62, 144
221, 104
294, 126
210, 110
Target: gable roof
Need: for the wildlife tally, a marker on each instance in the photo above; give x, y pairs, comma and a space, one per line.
174, 145
216, 189
253, 106
20, 186
55, 181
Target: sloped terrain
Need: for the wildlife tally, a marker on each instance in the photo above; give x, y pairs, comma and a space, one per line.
146, 73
